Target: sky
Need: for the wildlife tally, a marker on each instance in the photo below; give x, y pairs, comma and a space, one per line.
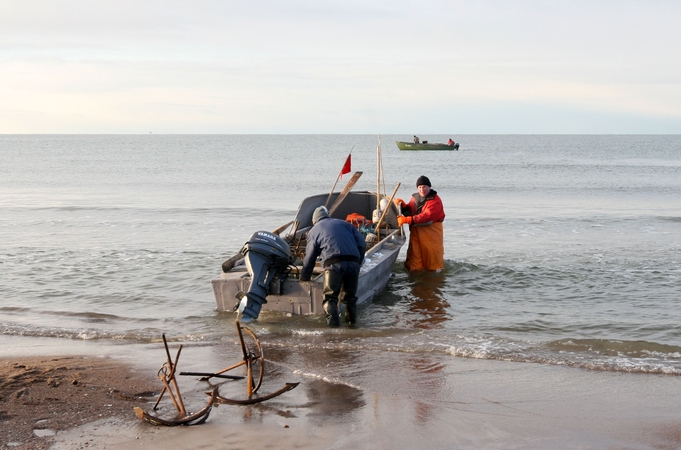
341, 66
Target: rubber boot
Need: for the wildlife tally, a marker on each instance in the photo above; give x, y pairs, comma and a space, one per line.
350, 313
332, 316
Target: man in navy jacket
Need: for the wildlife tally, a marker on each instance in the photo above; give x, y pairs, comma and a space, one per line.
342, 249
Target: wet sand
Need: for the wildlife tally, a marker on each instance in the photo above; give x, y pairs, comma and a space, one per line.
457, 403
43, 396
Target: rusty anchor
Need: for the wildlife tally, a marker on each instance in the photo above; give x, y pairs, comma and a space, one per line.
254, 361
167, 375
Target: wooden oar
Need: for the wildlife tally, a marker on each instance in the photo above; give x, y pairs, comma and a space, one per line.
380, 221
344, 193
282, 228
229, 264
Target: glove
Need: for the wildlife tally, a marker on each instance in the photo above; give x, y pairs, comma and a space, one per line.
400, 203
401, 220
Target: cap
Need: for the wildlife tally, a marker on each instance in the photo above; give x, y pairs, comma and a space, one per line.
423, 180
319, 213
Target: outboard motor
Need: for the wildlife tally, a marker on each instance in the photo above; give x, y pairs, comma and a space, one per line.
266, 255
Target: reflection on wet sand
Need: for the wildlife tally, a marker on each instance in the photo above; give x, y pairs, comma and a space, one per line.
327, 396
432, 310
428, 299
330, 401
428, 385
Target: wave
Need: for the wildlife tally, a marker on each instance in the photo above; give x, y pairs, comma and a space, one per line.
223, 210
305, 334
608, 347
137, 336
601, 355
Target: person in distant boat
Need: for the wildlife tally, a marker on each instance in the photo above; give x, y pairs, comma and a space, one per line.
424, 214
450, 142
416, 140
342, 250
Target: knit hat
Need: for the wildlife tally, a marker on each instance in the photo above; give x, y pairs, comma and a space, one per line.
319, 213
423, 180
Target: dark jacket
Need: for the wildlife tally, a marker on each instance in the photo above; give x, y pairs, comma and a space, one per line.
332, 239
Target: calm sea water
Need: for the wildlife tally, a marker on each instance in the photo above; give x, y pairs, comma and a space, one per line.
559, 249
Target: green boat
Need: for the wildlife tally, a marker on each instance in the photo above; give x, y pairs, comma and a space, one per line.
425, 145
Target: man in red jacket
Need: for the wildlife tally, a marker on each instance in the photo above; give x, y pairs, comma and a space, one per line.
424, 215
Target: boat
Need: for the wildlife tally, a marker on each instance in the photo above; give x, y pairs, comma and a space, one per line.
425, 145
274, 258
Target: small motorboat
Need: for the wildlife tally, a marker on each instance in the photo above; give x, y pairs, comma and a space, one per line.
266, 271
425, 145
281, 286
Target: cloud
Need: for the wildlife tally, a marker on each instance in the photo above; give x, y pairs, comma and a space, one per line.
338, 67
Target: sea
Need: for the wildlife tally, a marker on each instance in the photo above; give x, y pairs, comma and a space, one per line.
559, 249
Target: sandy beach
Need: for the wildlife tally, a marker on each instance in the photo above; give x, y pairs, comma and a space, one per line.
43, 396
75, 402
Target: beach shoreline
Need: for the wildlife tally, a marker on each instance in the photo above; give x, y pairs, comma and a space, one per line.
41, 397
479, 404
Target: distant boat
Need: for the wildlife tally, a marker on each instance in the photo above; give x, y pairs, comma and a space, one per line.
425, 145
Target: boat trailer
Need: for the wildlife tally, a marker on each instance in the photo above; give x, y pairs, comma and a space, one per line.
254, 361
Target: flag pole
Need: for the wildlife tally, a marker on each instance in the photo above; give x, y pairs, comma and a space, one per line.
340, 174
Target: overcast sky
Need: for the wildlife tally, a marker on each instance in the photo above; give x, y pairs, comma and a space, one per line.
341, 66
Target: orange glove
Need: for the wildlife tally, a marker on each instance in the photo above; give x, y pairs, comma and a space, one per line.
399, 202
401, 220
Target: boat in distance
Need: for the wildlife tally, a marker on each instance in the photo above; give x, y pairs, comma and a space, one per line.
425, 145
281, 286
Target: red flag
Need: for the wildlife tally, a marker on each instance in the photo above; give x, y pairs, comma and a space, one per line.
347, 167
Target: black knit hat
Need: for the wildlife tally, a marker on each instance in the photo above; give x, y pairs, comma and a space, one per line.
423, 180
